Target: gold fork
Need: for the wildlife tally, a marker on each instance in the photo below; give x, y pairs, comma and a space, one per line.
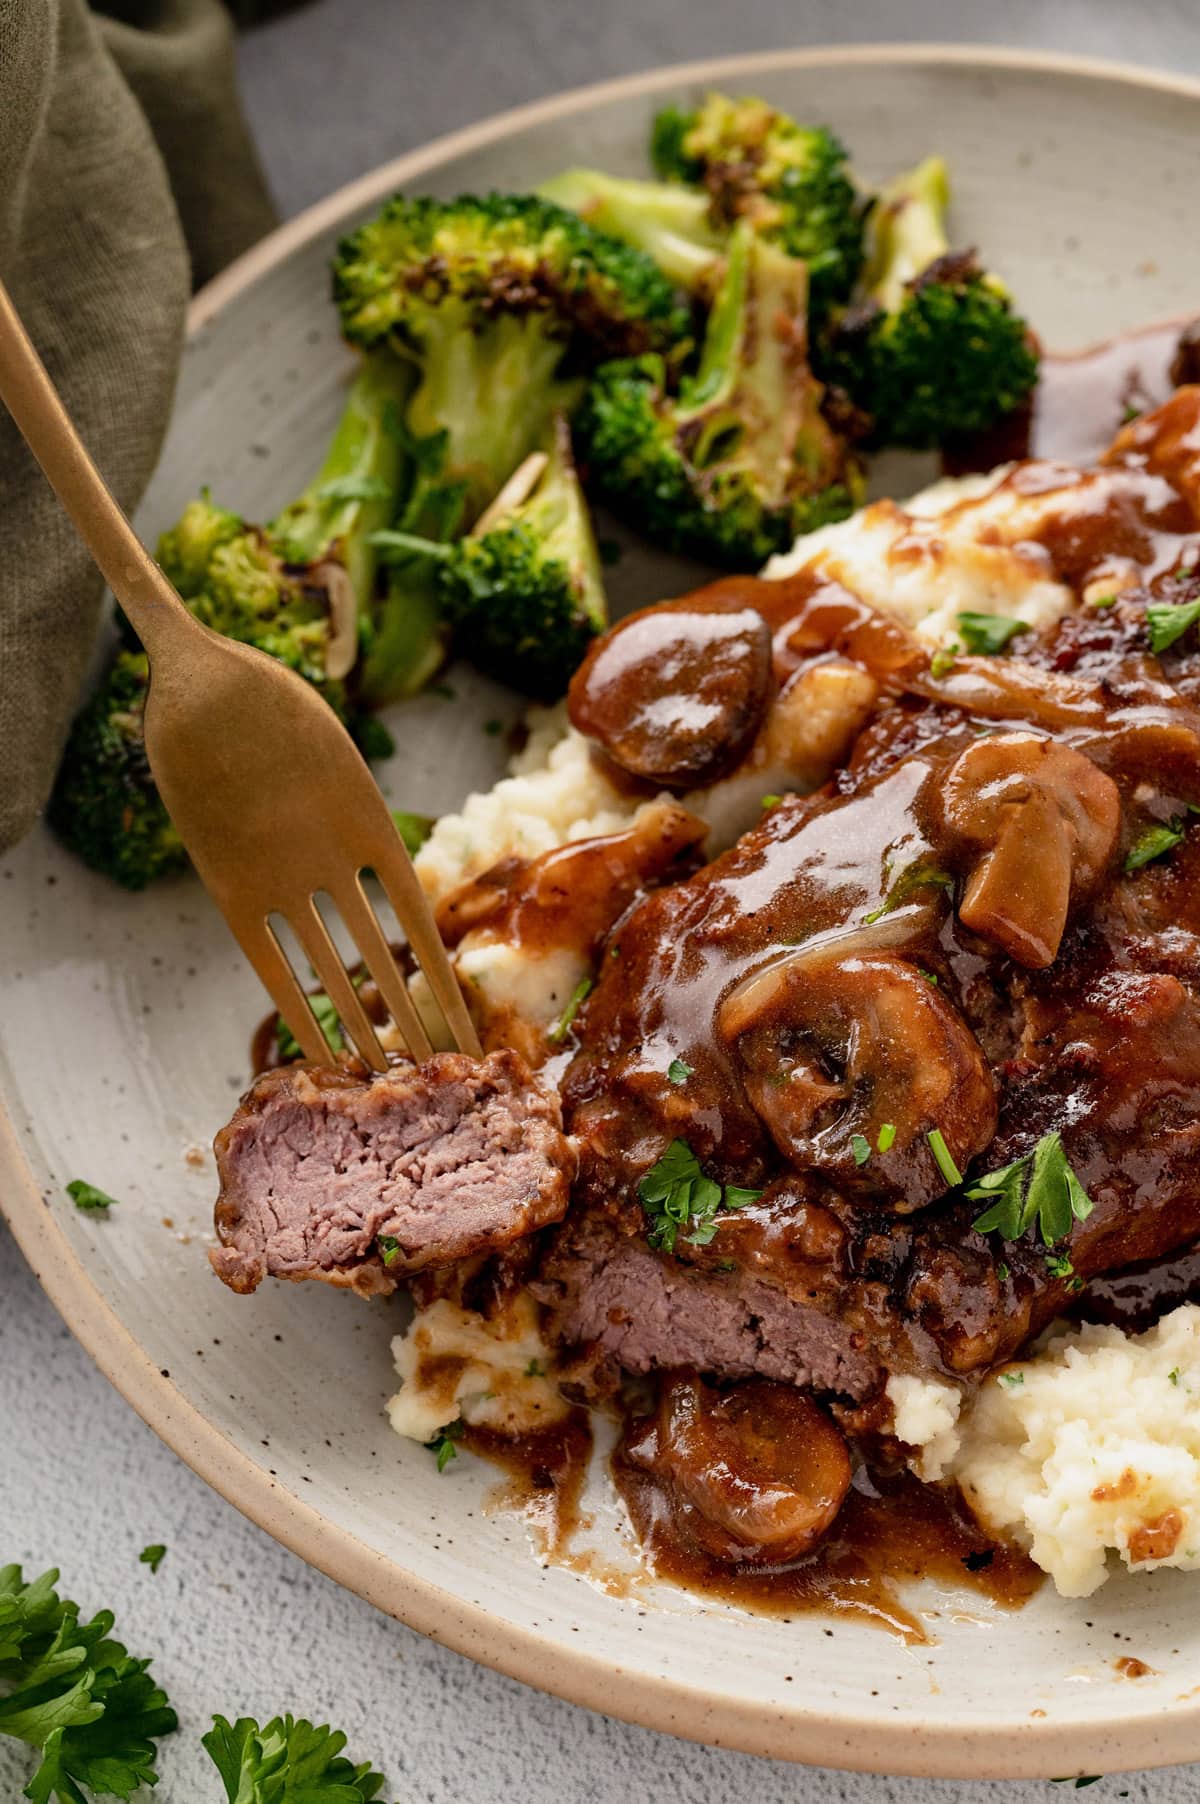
267, 789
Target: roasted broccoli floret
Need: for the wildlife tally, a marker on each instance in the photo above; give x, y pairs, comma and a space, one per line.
500, 302
302, 589
672, 224
932, 349
523, 592
741, 460
790, 181
105, 806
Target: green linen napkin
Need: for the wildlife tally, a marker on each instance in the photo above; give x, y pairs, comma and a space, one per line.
126, 176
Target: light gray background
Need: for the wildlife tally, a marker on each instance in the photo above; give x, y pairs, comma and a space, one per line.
234, 1623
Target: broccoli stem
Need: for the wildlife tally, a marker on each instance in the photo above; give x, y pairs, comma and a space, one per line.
906, 231
670, 223
492, 393
355, 490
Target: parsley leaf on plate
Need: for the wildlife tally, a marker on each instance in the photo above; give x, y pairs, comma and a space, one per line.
153, 1555
287, 1761
1167, 621
676, 1194
562, 1026
89, 1197
1155, 842
988, 634
443, 1445
69, 1691
1040, 1188
678, 1072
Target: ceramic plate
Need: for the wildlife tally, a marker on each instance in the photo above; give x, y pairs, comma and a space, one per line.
123, 1036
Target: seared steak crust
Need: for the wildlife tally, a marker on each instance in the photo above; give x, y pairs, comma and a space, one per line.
320, 1165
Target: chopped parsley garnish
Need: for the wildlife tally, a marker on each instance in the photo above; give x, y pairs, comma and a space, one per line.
562, 1026
676, 1194
1104, 601
443, 1444
1038, 1188
327, 1020
535, 1369
1174, 1375
917, 876
678, 1072
1002, 1272
1011, 1380
414, 829
73, 1694
153, 1556
287, 1759
89, 1197
1155, 842
887, 1137
389, 1246
988, 634
943, 1157
929, 976
860, 1146
1059, 1266
942, 661
1167, 621
771, 801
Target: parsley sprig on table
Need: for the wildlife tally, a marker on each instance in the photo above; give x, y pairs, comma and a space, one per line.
1038, 1188
93, 1715
287, 1761
676, 1194
90, 1710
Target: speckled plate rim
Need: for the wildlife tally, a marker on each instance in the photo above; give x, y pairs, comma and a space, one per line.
967, 1748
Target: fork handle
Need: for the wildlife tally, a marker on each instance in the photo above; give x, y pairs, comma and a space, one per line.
131, 573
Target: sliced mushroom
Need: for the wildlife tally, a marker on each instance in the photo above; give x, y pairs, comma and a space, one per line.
754, 1475
852, 1060
1044, 821
676, 693
342, 647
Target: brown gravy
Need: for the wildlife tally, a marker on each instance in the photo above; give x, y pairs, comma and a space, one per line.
892, 1530
545, 1470
1081, 400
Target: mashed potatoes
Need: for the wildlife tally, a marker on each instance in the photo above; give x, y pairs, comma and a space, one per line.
1090, 1445
493, 1371
960, 546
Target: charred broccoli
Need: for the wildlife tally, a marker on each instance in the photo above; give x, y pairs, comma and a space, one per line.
105, 806
790, 181
933, 349
500, 302
301, 589
741, 460
672, 224
523, 591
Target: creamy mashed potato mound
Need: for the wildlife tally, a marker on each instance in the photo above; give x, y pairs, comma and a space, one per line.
957, 547
492, 1371
1089, 1446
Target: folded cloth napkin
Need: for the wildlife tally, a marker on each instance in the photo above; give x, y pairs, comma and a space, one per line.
126, 176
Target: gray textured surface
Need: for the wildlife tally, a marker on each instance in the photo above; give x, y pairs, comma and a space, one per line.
235, 1623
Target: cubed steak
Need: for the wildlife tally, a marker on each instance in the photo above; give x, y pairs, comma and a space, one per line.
360, 1180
